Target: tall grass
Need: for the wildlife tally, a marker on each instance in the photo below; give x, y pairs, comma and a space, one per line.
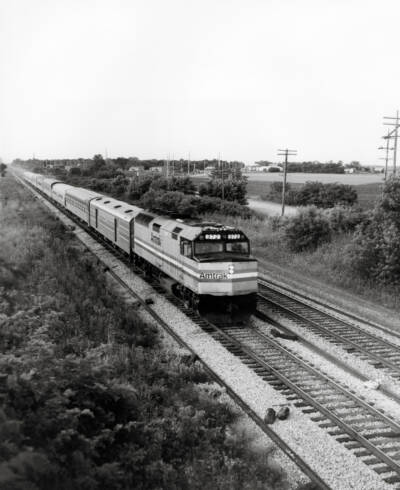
90, 399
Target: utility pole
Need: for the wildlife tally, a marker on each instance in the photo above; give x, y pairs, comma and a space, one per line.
386, 158
286, 153
220, 168
394, 133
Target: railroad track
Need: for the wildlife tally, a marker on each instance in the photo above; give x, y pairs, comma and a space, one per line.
378, 352
369, 433
204, 324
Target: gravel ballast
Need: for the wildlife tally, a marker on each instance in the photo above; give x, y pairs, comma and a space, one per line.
337, 466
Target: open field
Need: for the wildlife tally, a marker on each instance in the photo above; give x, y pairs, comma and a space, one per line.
301, 177
367, 186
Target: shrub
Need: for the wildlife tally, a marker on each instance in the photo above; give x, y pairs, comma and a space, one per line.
375, 251
173, 203
343, 219
231, 190
326, 195
176, 203
275, 193
307, 230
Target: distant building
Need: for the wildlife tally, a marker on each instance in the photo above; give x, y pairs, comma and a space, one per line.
263, 168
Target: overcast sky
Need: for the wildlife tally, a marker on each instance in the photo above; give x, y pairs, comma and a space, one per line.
149, 78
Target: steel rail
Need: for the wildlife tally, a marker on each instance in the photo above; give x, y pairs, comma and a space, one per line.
300, 463
265, 281
238, 347
331, 358
341, 339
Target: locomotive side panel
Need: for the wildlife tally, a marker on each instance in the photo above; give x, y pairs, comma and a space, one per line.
156, 246
112, 227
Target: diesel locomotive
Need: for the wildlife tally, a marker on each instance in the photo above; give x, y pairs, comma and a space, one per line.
208, 265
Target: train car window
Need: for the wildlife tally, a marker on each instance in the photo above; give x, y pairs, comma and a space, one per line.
156, 227
186, 248
129, 211
106, 202
144, 219
117, 206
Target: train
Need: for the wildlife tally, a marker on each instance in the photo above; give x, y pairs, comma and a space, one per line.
207, 265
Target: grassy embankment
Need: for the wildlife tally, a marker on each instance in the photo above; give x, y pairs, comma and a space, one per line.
328, 264
90, 398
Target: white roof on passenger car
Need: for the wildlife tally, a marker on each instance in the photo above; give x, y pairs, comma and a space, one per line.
49, 181
82, 194
30, 175
121, 209
61, 188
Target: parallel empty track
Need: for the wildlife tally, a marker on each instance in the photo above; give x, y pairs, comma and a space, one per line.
351, 420
378, 352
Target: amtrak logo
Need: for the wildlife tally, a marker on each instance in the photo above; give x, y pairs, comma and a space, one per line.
218, 275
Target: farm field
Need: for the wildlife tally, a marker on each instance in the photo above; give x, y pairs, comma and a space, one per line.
302, 177
367, 186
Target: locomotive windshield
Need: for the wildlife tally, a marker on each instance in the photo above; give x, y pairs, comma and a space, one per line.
208, 247
218, 244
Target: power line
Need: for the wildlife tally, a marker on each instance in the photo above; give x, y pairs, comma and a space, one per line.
286, 153
386, 158
394, 133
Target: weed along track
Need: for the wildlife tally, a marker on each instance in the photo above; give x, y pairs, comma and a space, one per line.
378, 352
335, 437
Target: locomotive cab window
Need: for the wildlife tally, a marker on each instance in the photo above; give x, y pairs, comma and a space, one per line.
207, 248
221, 244
238, 247
186, 248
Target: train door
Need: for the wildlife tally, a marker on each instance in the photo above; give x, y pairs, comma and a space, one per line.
185, 252
131, 237
96, 218
115, 229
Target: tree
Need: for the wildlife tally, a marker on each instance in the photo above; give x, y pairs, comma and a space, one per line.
326, 195
307, 230
172, 203
3, 168
98, 163
375, 251
75, 171
230, 190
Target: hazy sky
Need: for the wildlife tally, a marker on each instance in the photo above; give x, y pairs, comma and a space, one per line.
241, 78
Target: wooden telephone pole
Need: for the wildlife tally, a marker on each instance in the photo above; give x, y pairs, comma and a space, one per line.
286, 153
394, 133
